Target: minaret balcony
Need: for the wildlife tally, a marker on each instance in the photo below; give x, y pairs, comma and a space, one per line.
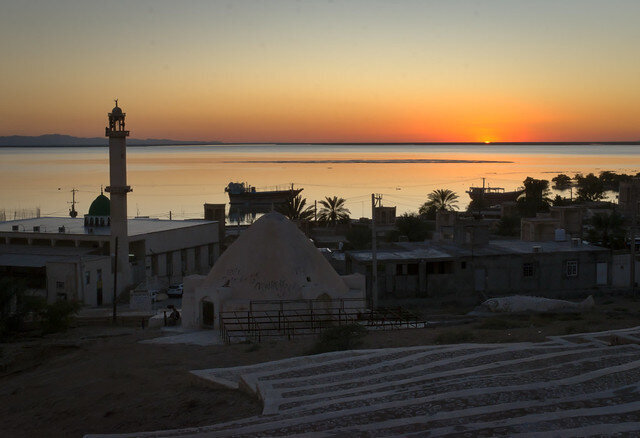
115, 133
118, 190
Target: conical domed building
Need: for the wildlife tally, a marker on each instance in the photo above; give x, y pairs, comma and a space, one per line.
271, 261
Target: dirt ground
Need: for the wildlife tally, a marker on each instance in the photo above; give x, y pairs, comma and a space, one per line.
102, 380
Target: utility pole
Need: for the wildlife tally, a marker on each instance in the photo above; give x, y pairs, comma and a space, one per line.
73, 212
632, 229
115, 279
375, 200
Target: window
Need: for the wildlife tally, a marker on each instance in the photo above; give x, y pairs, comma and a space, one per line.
572, 268
412, 269
527, 269
59, 284
87, 277
463, 265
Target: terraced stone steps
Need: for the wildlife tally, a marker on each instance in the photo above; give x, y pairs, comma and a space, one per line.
575, 385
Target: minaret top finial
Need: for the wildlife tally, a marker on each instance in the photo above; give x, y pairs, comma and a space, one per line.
101, 192
116, 103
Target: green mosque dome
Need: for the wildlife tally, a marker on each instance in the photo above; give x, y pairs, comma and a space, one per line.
101, 206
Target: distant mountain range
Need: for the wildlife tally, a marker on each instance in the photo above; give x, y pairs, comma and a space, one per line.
50, 140
69, 140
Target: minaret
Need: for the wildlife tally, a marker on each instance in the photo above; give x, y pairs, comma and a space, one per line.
118, 189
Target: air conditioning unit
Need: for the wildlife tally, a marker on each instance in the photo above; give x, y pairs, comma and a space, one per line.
15, 227
537, 248
61, 229
36, 229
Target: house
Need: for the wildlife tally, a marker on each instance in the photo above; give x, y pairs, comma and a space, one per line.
448, 269
71, 258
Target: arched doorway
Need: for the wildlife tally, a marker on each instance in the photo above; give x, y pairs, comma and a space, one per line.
208, 313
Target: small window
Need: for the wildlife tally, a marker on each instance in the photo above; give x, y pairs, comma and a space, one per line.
412, 269
399, 269
87, 277
572, 268
527, 269
59, 284
463, 265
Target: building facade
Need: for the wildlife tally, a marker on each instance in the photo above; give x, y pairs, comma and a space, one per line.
64, 258
447, 270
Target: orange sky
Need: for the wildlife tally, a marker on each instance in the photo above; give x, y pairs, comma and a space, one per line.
324, 71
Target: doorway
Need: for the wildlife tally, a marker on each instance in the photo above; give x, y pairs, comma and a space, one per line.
208, 315
99, 288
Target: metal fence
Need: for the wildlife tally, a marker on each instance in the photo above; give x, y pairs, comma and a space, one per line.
291, 318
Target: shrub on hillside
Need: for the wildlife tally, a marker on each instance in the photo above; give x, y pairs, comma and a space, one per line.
57, 317
344, 337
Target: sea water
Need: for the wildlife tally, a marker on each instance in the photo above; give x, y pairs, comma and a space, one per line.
180, 179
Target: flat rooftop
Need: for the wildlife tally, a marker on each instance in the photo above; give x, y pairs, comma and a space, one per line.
38, 256
448, 250
136, 226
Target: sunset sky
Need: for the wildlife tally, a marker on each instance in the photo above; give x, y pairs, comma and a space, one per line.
314, 71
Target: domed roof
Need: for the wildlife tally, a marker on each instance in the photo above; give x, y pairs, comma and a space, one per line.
101, 206
274, 260
116, 111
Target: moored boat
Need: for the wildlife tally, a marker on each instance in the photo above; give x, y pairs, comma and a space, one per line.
493, 195
243, 193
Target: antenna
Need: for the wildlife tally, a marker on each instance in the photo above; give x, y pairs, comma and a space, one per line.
72, 210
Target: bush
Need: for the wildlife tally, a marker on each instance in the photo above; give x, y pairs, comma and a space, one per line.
57, 317
344, 337
454, 337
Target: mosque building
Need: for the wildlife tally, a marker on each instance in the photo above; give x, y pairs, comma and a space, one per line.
73, 258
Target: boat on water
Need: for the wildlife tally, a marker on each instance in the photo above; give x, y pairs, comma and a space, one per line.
493, 195
243, 193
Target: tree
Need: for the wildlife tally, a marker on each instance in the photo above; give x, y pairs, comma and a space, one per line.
477, 205
559, 201
611, 180
535, 197
590, 187
561, 182
508, 226
413, 226
428, 211
294, 209
333, 210
439, 199
607, 230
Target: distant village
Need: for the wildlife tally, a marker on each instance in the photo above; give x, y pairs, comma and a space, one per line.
518, 242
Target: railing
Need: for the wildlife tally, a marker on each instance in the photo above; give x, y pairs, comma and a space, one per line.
290, 318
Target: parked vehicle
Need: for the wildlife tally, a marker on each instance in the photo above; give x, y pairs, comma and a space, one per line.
175, 291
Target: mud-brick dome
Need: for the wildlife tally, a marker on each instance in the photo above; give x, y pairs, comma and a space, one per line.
101, 206
274, 260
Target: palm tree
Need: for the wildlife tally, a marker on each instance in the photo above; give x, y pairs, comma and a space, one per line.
607, 230
333, 210
294, 209
440, 199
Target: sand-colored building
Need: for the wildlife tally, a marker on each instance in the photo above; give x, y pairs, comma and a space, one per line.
272, 260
